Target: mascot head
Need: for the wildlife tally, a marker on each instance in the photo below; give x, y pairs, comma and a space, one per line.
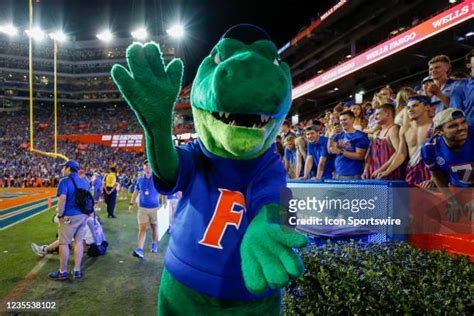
241, 94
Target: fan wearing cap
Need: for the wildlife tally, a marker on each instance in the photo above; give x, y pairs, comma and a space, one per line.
449, 156
227, 252
72, 222
450, 153
148, 204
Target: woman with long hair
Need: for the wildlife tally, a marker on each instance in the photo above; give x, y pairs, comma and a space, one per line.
401, 102
360, 122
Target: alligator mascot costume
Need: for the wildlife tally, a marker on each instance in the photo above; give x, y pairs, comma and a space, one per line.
228, 254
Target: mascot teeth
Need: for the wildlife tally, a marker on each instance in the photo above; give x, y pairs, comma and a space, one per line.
264, 118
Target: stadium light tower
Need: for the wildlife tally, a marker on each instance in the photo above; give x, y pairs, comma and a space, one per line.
58, 36
105, 36
35, 33
176, 31
140, 33
9, 29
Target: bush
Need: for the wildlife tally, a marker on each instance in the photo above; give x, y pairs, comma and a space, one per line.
381, 279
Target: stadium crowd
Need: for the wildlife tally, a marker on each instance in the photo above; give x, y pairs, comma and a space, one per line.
393, 136
19, 167
423, 135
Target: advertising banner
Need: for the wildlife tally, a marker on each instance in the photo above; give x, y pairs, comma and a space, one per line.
441, 22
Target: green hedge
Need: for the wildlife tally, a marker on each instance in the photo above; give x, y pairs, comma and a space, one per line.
380, 279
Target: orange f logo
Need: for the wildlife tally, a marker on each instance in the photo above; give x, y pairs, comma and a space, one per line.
224, 215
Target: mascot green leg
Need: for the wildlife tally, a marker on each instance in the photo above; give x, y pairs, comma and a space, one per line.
175, 298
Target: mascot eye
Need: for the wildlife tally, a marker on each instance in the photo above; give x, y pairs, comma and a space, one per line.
217, 59
276, 62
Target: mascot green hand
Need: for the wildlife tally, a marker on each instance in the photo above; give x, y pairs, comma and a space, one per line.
228, 254
151, 90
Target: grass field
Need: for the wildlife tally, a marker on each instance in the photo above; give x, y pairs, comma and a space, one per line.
114, 284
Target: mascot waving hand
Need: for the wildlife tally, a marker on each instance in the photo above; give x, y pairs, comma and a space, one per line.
228, 253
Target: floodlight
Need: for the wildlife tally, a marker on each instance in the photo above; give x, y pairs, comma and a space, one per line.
176, 31
35, 33
9, 29
58, 36
140, 33
105, 36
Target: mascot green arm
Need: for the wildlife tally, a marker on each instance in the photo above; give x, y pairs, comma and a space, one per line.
151, 90
268, 259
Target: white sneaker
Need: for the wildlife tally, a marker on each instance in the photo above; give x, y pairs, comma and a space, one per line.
39, 250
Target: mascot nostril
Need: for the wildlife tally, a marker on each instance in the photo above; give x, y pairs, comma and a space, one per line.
228, 252
224, 73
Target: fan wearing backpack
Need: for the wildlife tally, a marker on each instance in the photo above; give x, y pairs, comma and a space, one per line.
74, 207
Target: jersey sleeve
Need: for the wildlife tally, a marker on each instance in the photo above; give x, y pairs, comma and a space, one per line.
309, 149
428, 153
187, 157
287, 154
457, 95
137, 186
62, 187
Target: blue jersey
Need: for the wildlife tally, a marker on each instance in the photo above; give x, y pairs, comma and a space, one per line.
220, 198
462, 98
148, 196
290, 155
318, 150
457, 164
349, 142
67, 187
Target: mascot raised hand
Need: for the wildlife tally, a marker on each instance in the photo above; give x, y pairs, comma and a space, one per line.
228, 253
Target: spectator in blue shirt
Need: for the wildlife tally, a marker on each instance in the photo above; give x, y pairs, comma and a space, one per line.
97, 184
463, 93
318, 159
72, 222
350, 146
148, 204
289, 158
442, 87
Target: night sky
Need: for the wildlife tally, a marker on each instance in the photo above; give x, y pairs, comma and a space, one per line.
204, 20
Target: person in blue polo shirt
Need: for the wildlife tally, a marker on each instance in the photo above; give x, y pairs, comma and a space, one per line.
72, 222
350, 146
462, 97
148, 204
